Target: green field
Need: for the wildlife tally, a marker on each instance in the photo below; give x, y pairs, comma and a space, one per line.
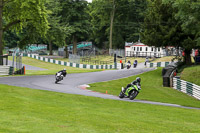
51, 68
37, 111
152, 89
191, 74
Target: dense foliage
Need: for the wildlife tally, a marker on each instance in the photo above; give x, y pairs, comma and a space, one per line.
107, 23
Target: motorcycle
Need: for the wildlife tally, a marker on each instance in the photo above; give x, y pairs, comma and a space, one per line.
128, 65
135, 65
131, 92
58, 77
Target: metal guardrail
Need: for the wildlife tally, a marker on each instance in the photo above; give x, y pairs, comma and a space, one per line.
187, 87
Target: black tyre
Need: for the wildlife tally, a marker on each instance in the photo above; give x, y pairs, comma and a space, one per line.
121, 95
56, 81
133, 94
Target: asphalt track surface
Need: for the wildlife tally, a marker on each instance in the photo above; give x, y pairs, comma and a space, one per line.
76, 83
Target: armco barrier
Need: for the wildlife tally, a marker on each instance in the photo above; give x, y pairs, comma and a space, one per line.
6, 70
187, 87
158, 64
71, 64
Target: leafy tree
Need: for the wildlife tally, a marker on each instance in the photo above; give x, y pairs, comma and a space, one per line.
74, 13
127, 19
188, 14
57, 32
162, 28
19, 14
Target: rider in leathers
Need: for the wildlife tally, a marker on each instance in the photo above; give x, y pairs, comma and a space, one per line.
135, 82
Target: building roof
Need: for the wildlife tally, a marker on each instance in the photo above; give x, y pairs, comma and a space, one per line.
128, 44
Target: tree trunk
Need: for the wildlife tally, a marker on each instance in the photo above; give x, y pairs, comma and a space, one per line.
112, 15
1, 27
50, 48
187, 57
66, 51
74, 45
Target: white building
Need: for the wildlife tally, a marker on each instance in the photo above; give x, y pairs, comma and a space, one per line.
139, 49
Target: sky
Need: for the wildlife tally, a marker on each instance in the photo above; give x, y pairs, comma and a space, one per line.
89, 0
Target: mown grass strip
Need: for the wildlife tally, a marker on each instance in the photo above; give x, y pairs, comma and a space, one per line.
36, 111
191, 74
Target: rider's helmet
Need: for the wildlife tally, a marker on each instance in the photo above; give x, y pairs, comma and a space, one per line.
64, 69
138, 79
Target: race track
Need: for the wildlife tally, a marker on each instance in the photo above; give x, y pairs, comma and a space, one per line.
73, 83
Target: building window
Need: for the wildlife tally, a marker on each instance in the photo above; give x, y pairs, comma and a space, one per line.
134, 48
146, 48
140, 48
137, 48
159, 49
152, 49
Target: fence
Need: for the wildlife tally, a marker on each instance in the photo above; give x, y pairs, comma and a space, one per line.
187, 87
158, 64
74, 58
72, 64
6, 70
119, 52
143, 54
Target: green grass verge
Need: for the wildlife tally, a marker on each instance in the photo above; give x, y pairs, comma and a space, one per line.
51, 68
36, 111
191, 74
152, 89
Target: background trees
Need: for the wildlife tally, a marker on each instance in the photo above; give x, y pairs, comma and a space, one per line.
74, 13
18, 15
167, 24
107, 23
115, 22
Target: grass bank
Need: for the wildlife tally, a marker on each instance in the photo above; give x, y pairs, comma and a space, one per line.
36, 111
51, 68
191, 74
152, 89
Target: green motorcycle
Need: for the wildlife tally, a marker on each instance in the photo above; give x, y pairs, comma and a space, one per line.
130, 92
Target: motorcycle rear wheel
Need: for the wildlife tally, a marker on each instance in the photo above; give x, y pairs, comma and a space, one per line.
133, 94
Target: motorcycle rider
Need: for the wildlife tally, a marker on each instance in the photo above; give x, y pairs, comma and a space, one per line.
62, 72
135, 82
135, 63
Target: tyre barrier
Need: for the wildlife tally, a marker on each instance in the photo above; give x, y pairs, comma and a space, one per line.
186, 87
6, 70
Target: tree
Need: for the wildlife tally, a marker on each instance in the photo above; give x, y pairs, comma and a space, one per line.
116, 22
57, 32
21, 14
74, 14
188, 14
162, 28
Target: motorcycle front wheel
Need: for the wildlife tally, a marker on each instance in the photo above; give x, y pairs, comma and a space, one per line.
133, 94
121, 95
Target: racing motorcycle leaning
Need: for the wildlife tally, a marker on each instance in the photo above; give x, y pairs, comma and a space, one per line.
59, 76
130, 92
